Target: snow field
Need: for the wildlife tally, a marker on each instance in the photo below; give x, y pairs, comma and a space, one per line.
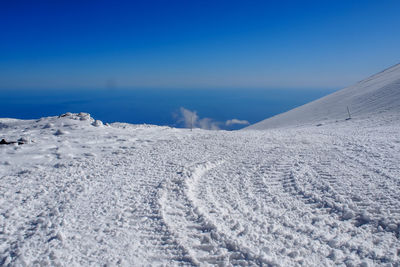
81, 193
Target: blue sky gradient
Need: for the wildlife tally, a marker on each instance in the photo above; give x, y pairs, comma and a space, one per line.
195, 44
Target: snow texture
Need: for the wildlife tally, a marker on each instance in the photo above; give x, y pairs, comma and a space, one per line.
80, 193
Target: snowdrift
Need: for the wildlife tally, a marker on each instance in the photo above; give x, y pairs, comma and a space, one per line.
378, 94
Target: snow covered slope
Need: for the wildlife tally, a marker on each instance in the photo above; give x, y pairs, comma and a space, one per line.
80, 193
378, 94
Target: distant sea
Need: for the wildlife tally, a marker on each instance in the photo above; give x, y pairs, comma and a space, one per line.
156, 106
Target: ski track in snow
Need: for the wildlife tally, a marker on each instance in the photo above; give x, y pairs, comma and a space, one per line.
125, 195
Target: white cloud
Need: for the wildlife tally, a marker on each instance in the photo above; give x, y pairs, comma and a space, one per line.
190, 119
236, 121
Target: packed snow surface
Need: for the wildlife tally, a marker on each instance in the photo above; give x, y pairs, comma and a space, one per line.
80, 193
369, 98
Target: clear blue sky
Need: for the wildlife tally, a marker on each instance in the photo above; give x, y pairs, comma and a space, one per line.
196, 44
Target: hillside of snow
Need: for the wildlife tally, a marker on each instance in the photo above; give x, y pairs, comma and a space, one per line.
375, 97
75, 192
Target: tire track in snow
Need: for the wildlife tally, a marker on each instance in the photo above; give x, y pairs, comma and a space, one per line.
274, 191
365, 198
343, 194
322, 211
292, 221
120, 207
258, 215
203, 240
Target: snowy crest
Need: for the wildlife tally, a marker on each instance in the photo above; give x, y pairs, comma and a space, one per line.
371, 98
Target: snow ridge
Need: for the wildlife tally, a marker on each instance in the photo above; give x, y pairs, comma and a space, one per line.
376, 97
